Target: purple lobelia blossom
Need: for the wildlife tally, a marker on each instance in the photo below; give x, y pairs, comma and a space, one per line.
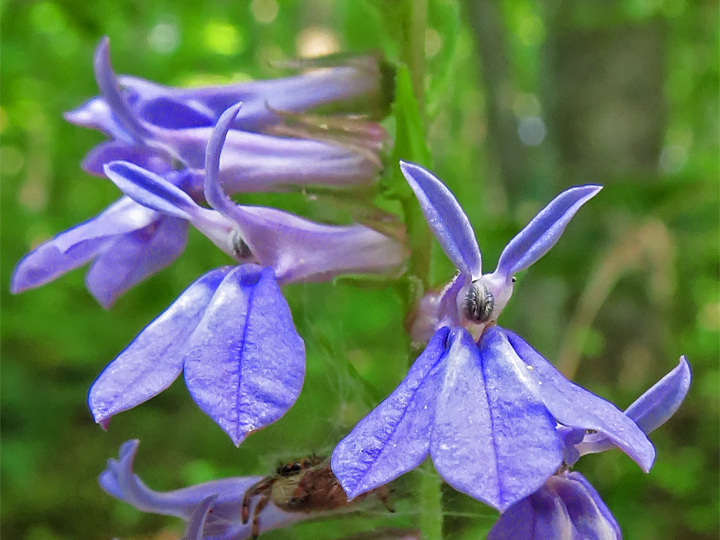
353, 80
251, 161
212, 510
231, 332
567, 506
298, 250
485, 411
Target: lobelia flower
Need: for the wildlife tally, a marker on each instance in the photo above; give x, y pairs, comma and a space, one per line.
363, 80
231, 331
212, 510
251, 161
567, 506
485, 408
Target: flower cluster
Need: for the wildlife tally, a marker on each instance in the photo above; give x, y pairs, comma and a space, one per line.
231, 332
499, 422
165, 131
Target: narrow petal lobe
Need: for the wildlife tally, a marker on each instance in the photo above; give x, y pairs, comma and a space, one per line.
446, 219
543, 232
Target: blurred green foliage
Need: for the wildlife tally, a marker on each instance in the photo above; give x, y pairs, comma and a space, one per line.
632, 285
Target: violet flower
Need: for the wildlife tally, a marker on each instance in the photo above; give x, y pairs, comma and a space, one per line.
485, 412
298, 250
126, 243
212, 510
251, 161
343, 80
231, 331
567, 506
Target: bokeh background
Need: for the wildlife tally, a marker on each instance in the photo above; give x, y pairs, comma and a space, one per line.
524, 98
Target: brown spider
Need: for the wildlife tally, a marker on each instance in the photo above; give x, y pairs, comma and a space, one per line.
307, 485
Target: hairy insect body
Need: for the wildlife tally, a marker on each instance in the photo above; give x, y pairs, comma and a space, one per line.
307, 485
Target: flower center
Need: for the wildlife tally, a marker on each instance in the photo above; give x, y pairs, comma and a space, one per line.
479, 302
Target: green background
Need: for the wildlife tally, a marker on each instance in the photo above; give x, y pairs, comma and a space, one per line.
625, 93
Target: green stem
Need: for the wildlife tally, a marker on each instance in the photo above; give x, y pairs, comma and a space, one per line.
415, 49
430, 500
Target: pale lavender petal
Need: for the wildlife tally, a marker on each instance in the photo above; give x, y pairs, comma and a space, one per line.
96, 114
119, 481
106, 80
47, 263
78, 245
582, 510
108, 151
151, 190
652, 409
446, 219
135, 256
540, 516
295, 248
543, 231
155, 358
196, 523
202, 106
493, 438
659, 403
606, 518
394, 438
121, 217
575, 407
245, 362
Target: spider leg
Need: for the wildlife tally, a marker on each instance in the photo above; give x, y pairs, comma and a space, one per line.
383, 494
259, 507
260, 487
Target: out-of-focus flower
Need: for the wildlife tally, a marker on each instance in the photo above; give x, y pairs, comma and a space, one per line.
485, 412
212, 510
364, 82
251, 161
567, 506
